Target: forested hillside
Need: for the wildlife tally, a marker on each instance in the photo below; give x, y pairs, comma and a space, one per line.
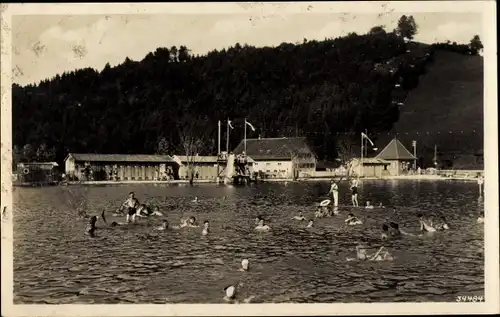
323, 90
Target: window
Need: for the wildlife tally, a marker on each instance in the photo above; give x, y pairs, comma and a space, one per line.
268, 171
268, 164
279, 164
275, 171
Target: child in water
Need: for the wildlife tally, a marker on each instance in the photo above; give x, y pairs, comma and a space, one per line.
310, 224
362, 255
189, 222
164, 226
368, 205
300, 217
480, 219
205, 228
385, 232
424, 226
352, 220
261, 226
443, 225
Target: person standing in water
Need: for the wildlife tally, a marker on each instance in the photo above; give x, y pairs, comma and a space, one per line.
131, 205
480, 183
354, 192
334, 190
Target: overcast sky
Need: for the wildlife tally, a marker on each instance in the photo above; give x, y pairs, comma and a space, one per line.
44, 46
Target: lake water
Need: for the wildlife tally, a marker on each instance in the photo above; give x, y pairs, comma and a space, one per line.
56, 263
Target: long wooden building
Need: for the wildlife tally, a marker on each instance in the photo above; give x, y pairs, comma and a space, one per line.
120, 167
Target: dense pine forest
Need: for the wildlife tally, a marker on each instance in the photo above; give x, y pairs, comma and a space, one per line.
326, 90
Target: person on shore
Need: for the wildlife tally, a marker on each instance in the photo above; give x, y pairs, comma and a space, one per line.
334, 190
205, 228
262, 227
354, 192
480, 182
443, 225
424, 225
368, 205
131, 205
300, 217
352, 220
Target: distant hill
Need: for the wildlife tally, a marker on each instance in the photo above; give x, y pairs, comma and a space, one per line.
445, 109
170, 101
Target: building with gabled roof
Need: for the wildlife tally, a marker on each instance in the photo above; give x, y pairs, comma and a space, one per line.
398, 156
92, 166
279, 157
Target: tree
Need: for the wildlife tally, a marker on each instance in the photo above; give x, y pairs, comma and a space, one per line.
45, 154
475, 45
407, 27
346, 155
163, 147
379, 29
193, 136
28, 153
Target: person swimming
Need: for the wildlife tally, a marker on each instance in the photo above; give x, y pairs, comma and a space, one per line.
310, 224
480, 219
205, 228
424, 226
380, 205
320, 212
189, 222
142, 211
91, 226
385, 232
164, 226
362, 255
244, 265
352, 220
443, 225
368, 205
156, 211
262, 227
300, 217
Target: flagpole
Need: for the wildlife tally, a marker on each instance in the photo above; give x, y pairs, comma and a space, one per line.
227, 137
245, 138
218, 138
361, 162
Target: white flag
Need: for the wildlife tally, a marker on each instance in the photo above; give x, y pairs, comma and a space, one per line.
366, 137
230, 125
251, 126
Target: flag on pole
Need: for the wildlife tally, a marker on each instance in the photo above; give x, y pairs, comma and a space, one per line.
251, 126
230, 125
366, 137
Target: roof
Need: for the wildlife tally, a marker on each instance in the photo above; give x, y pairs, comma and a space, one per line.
395, 150
38, 163
199, 159
142, 158
374, 160
273, 148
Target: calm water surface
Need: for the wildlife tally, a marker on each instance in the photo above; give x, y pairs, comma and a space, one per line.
55, 263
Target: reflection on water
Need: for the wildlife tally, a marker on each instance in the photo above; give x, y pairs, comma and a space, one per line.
55, 263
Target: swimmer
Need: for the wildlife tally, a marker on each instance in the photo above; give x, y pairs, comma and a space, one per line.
164, 226
300, 217
362, 255
262, 227
244, 266
443, 225
91, 227
130, 206
320, 212
385, 232
189, 222
142, 211
205, 228
394, 229
352, 220
424, 226
480, 219
258, 219
368, 205
195, 200
156, 211
380, 205
354, 192
230, 291
310, 224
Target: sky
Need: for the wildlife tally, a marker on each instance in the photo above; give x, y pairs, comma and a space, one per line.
45, 45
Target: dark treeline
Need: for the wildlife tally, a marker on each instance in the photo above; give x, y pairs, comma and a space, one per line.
315, 88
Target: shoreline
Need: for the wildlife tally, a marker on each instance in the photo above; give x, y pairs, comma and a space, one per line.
275, 180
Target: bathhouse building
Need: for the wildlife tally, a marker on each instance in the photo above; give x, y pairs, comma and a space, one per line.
370, 167
119, 167
398, 157
279, 157
203, 167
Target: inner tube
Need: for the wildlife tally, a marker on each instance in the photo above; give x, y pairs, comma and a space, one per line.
325, 202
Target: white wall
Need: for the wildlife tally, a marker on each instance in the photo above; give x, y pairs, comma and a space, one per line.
69, 166
278, 169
